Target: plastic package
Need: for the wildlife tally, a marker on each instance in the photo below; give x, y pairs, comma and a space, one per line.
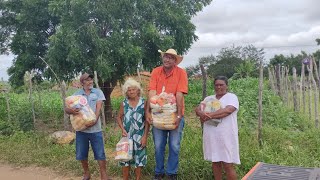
63, 137
124, 149
86, 115
164, 108
211, 105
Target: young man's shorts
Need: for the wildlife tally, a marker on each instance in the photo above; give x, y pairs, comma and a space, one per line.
82, 145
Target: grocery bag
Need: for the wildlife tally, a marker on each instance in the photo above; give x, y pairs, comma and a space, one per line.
62, 137
211, 105
86, 115
164, 111
124, 149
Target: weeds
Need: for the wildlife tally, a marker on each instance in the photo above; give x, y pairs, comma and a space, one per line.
288, 138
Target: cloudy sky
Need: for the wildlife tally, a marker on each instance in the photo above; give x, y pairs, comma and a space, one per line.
278, 26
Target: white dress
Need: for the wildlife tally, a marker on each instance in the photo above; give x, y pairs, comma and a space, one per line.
221, 143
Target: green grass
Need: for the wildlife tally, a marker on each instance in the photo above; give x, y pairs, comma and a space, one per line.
289, 138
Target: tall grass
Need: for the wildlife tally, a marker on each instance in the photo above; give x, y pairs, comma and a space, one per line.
288, 137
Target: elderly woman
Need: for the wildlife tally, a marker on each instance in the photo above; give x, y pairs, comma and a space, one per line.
131, 120
220, 130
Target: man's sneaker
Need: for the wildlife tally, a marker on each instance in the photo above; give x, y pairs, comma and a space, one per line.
173, 177
158, 176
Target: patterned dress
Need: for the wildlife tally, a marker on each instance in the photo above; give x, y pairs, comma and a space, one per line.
134, 124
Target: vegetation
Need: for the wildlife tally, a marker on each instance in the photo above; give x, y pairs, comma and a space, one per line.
288, 138
231, 61
240, 62
112, 37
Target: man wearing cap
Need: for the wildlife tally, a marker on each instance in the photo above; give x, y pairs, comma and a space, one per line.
170, 79
93, 133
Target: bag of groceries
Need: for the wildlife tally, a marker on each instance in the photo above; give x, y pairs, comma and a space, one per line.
86, 115
62, 137
211, 104
164, 111
124, 149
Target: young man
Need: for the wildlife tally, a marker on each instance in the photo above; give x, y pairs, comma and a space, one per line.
93, 133
170, 79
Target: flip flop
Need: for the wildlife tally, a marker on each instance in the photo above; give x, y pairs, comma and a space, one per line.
86, 178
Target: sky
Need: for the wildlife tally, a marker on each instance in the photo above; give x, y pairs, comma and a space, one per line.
279, 26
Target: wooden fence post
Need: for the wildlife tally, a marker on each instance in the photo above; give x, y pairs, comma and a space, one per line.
63, 90
204, 81
204, 85
287, 89
28, 78
271, 79
6, 95
315, 92
295, 99
8, 104
103, 117
303, 88
278, 80
316, 70
283, 84
260, 104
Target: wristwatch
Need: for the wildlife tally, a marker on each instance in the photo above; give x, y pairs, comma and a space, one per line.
179, 117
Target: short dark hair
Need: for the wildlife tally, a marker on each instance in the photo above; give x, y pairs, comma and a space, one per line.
223, 78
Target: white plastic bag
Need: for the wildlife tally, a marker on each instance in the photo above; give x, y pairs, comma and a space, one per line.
211, 105
86, 115
124, 149
163, 108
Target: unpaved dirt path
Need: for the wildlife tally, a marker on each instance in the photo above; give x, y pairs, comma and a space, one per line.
9, 172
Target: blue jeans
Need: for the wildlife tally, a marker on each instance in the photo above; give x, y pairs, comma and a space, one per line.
160, 141
82, 145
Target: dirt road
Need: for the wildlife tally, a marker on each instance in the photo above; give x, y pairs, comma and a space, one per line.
9, 172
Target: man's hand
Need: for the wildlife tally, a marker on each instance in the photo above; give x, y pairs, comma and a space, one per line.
177, 123
91, 124
72, 110
76, 110
149, 118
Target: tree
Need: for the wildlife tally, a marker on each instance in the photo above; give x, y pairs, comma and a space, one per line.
194, 70
251, 57
229, 60
113, 37
26, 26
246, 68
289, 61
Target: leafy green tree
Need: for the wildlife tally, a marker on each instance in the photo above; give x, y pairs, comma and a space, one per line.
289, 61
246, 68
232, 59
113, 37
26, 26
194, 70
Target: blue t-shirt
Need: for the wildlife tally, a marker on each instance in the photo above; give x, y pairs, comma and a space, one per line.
94, 96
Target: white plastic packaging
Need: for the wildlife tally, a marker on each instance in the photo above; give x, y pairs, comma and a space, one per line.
124, 149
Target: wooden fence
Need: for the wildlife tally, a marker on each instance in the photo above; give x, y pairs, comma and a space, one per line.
301, 94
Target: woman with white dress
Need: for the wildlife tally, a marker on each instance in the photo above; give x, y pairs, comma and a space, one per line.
220, 130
